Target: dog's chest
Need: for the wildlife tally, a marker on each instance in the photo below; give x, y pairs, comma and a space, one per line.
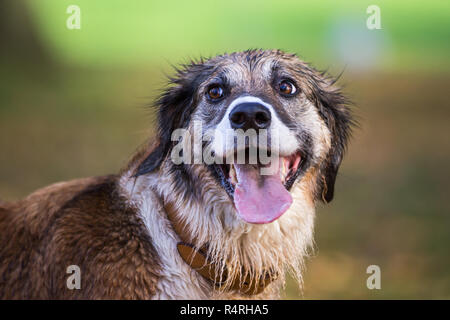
177, 279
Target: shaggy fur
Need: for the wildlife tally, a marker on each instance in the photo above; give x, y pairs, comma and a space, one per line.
116, 230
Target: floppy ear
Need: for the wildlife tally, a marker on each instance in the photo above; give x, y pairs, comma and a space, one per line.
329, 176
334, 109
175, 107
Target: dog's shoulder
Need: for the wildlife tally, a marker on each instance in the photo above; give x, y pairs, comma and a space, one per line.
24, 226
37, 209
84, 223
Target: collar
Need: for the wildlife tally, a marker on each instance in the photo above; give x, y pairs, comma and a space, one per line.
198, 260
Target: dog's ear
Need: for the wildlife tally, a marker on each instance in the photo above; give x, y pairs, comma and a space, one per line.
334, 109
175, 107
329, 176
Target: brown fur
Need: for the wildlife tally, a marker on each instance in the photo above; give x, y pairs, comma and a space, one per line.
87, 222
81, 222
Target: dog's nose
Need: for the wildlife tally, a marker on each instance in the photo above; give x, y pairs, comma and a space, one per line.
250, 115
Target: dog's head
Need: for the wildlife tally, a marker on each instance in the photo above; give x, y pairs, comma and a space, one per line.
287, 112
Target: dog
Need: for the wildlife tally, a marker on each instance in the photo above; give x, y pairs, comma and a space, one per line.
166, 230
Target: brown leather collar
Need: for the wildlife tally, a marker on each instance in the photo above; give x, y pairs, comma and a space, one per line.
198, 260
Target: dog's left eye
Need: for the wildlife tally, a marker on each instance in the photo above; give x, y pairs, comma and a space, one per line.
286, 87
215, 92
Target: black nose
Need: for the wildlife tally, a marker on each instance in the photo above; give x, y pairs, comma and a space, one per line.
250, 115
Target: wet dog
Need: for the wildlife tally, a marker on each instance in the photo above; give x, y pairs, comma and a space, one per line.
208, 226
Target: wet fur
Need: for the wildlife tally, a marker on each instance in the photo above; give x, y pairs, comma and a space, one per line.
115, 227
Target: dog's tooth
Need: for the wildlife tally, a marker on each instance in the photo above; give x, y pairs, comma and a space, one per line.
233, 174
283, 170
286, 168
285, 164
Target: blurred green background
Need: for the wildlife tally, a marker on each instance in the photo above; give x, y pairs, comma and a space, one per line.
73, 104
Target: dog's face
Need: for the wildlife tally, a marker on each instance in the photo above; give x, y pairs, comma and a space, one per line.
286, 111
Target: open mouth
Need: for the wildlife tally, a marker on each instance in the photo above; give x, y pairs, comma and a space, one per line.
260, 192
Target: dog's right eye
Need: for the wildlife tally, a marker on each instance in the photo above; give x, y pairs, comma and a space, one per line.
215, 92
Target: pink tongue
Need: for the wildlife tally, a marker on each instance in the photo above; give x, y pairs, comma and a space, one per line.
260, 198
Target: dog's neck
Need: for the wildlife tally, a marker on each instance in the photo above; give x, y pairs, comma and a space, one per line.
277, 246
215, 272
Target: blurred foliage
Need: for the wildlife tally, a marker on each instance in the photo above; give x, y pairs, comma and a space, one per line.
73, 103
132, 33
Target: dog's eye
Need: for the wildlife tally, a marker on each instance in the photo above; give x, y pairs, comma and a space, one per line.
287, 87
215, 92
